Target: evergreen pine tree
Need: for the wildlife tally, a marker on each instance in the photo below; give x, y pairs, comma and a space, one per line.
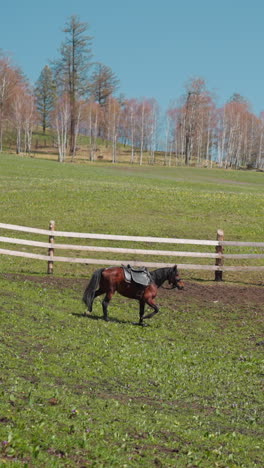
45, 92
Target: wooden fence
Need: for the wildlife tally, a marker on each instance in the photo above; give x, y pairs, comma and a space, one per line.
51, 245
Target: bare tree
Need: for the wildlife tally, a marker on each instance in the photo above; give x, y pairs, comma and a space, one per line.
23, 116
61, 117
128, 125
17, 118
29, 120
260, 159
11, 79
192, 124
91, 121
113, 113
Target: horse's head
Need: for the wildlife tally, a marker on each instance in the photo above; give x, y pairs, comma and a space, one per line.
174, 278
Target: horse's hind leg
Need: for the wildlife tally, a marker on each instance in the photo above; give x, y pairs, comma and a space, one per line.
105, 304
141, 312
97, 293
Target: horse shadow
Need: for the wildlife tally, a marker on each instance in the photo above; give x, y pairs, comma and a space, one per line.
110, 319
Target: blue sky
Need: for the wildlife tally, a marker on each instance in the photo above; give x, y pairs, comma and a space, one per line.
154, 47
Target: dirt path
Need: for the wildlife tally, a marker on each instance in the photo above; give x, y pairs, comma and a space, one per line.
202, 292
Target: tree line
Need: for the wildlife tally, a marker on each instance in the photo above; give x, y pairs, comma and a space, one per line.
75, 95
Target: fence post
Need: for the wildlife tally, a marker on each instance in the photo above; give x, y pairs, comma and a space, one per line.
51, 249
219, 250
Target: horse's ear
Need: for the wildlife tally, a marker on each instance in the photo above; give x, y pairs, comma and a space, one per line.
175, 268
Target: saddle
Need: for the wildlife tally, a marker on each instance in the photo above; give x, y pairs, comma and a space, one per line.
138, 275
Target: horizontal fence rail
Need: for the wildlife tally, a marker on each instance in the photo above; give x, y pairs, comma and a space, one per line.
160, 240
96, 261
91, 248
218, 255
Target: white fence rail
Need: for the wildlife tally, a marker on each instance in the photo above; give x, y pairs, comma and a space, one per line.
218, 255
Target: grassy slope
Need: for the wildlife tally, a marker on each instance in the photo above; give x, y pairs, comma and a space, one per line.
185, 391
166, 202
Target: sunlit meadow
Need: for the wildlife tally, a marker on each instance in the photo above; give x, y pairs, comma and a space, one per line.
186, 391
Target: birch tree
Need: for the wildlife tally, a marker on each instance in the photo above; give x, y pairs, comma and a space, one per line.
128, 125
29, 120
91, 122
260, 159
17, 118
61, 117
113, 112
23, 117
192, 123
11, 79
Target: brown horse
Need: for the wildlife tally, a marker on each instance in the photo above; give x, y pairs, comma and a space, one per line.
109, 280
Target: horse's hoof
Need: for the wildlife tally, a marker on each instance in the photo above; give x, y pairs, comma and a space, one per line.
143, 324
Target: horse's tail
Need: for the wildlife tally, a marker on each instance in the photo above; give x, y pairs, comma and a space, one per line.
89, 293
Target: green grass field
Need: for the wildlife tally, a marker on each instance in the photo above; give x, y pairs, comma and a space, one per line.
186, 391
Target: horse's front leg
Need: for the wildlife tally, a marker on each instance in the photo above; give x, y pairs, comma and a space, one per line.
105, 304
155, 308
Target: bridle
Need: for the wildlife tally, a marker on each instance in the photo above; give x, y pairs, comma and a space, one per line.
173, 282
